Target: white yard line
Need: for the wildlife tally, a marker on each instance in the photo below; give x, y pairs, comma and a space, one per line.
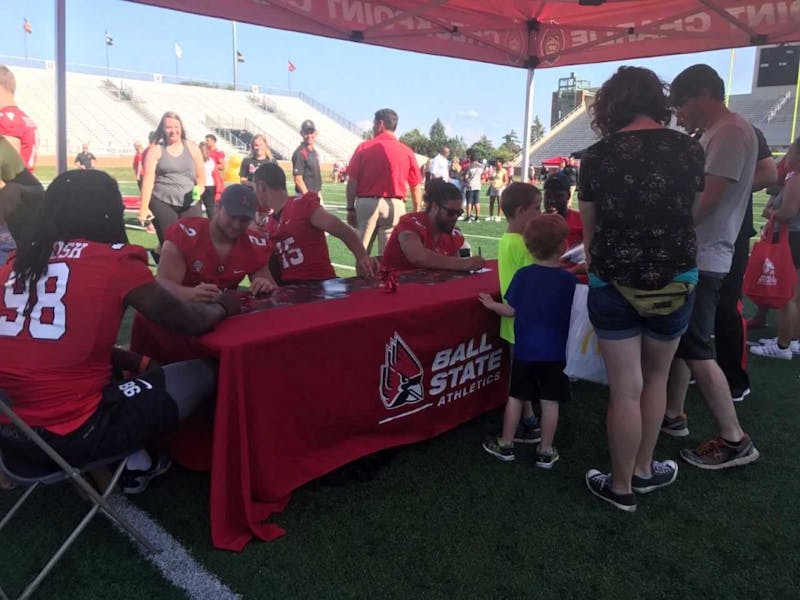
338, 266
481, 237
174, 561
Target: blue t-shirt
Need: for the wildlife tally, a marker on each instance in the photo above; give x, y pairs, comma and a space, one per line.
542, 299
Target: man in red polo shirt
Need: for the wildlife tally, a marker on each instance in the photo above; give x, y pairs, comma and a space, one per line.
378, 176
200, 257
296, 228
18, 128
430, 239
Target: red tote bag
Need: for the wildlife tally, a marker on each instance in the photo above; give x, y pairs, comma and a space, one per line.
770, 276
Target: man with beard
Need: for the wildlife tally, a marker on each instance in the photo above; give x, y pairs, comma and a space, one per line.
202, 257
556, 200
429, 239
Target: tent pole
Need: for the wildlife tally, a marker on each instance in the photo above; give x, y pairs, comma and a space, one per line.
526, 129
796, 91
61, 86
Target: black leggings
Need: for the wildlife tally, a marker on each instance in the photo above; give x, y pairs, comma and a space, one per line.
208, 200
166, 214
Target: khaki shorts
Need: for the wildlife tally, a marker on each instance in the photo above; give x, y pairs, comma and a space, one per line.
376, 217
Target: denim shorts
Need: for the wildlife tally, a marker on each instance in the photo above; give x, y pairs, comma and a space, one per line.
614, 318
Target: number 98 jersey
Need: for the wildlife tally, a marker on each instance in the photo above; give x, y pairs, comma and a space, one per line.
57, 361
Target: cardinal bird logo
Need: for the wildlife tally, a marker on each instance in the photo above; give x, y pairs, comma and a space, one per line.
401, 375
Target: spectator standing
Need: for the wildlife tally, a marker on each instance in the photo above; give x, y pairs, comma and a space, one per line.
174, 176
430, 239
498, 182
208, 197
473, 178
731, 150
540, 300
260, 155
570, 173
305, 162
640, 246
138, 166
379, 176
440, 164
215, 153
17, 127
85, 159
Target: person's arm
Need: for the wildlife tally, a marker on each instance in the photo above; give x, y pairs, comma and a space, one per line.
366, 266
24, 188
416, 197
766, 174
350, 195
92, 159
151, 159
172, 270
419, 256
300, 184
713, 192
262, 282
588, 217
790, 204
193, 318
14, 142
504, 310
199, 165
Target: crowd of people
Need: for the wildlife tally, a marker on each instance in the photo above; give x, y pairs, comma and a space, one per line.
665, 219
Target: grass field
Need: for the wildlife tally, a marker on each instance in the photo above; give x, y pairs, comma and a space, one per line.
446, 520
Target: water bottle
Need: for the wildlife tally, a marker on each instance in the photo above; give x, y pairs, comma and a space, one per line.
197, 191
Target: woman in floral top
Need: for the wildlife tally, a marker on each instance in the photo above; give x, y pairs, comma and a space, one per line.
636, 190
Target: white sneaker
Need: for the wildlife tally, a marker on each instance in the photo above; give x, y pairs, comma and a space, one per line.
497, 219
489, 219
772, 350
794, 345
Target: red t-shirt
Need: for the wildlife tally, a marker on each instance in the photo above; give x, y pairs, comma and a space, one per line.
301, 248
218, 156
138, 164
192, 237
448, 243
57, 362
575, 224
383, 166
15, 123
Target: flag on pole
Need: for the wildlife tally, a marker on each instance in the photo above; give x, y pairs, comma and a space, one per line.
26, 25
292, 68
178, 50
239, 56
109, 40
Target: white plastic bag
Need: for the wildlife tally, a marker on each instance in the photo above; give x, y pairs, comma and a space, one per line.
584, 360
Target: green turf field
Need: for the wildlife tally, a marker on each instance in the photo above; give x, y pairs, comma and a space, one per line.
446, 520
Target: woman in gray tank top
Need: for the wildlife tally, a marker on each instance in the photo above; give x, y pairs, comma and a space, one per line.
173, 166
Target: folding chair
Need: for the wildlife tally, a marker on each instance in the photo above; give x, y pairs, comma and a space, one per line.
32, 475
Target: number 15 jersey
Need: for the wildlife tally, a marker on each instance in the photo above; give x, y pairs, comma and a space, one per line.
56, 362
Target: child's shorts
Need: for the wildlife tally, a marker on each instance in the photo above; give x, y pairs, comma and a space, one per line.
539, 381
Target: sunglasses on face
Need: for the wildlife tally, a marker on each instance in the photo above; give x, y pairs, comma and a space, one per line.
451, 212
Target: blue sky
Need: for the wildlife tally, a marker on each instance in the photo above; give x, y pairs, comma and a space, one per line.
470, 98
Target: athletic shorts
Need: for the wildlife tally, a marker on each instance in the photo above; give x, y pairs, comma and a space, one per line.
613, 317
539, 381
130, 414
794, 244
696, 343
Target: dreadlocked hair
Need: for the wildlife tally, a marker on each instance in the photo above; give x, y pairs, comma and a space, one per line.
78, 204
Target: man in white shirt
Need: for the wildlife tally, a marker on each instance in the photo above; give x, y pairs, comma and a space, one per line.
440, 165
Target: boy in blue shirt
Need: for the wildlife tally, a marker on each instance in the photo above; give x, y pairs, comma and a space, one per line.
540, 300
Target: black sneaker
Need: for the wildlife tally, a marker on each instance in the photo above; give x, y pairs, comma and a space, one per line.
546, 460
739, 395
493, 446
135, 482
662, 474
600, 485
675, 426
526, 434
718, 454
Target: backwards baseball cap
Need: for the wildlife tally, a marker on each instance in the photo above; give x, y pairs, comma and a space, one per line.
307, 126
239, 201
556, 183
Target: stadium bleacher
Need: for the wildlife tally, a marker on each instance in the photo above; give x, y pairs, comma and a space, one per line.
110, 114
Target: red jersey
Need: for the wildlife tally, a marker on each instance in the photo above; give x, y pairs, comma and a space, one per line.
15, 123
57, 361
301, 248
192, 237
383, 166
575, 224
218, 156
138, 164
448, 243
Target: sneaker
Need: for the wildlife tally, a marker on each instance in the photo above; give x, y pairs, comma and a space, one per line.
527, 434
718, 454
546, 460
663, 473
600, 485
497, 219
675, 426
794, 345
772, 350
492, 445
489, 219
135, 482
474, 219
739, 395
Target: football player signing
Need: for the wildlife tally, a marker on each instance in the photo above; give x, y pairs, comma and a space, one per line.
202, 256
297, 225
429, 239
